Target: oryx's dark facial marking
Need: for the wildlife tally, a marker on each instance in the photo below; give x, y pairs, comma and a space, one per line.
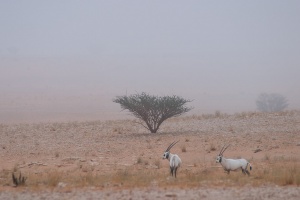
167, 155
219, 159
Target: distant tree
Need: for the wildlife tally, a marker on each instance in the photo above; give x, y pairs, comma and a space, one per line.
151, 110
271, 102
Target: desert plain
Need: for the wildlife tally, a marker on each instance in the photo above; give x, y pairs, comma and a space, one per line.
120, 159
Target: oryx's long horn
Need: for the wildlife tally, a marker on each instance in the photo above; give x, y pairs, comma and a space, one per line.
221, 150
224, 149
171, 145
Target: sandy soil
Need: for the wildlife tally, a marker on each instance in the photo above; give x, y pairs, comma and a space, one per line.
261, 193
82, 157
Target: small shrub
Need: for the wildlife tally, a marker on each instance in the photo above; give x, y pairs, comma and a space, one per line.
146, 162
212, 147
19, 181
267, 157
139, 160
230, 129
218, 113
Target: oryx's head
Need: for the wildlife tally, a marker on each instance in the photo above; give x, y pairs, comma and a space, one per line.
167, 152
219, 157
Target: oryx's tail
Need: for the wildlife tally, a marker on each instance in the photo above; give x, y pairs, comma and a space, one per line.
250, 166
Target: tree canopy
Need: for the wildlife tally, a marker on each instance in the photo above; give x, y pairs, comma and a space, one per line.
271, 102
152, 110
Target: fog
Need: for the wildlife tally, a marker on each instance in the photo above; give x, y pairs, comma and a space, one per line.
67, 60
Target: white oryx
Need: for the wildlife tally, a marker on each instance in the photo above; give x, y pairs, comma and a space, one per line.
233, 164
174, 159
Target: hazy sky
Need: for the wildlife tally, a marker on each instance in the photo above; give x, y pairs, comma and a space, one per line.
76, 56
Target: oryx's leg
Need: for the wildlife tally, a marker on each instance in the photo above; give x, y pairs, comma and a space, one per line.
175, 171
171, 171
247, 172
244, 172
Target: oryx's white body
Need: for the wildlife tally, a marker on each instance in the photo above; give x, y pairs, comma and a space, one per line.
233, 164
174, 160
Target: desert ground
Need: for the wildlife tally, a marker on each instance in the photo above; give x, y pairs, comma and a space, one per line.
120, 159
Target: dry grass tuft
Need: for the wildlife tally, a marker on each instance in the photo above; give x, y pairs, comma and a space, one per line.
281, 172
141, 161
52, 178
157, 163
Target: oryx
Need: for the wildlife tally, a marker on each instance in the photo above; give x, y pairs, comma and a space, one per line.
233, 164
174, 159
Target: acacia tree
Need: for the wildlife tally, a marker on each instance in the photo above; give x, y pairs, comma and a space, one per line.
151, 110
271, 102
